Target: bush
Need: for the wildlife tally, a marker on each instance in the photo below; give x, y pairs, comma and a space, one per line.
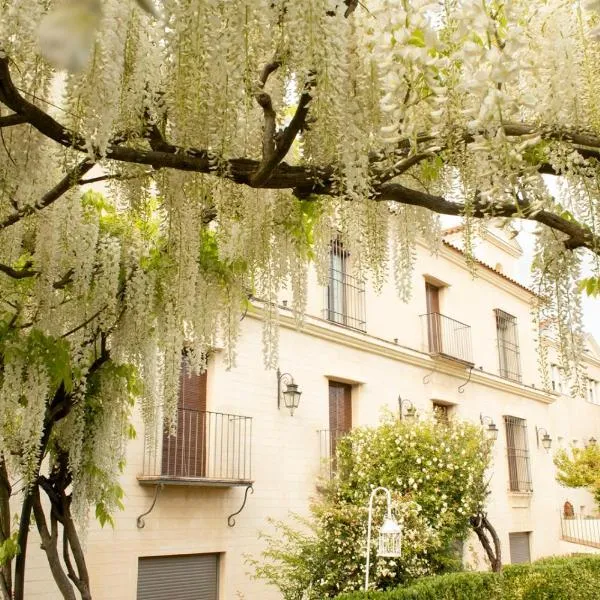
556, 578
436, 475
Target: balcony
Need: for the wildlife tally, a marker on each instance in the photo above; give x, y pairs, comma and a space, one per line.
207, 449
578, 529
328, 439
447, 338
345, 300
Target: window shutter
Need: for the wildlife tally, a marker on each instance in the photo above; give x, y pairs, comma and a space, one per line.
191, 577
519, 547
184, 453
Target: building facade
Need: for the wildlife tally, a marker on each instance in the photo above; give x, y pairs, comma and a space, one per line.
463, 346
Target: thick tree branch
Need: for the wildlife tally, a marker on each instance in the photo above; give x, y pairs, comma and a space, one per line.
264, 101
17, 273
49, 540
284, 139
305, 180
10, 120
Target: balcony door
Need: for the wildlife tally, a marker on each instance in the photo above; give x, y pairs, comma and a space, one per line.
184, 453
340, 413
432, 295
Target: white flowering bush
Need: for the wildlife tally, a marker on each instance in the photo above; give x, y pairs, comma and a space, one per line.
435, 473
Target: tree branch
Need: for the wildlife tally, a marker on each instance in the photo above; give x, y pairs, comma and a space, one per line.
17, 273
10, 120
303, 180
49, 546
264, 101
66, 183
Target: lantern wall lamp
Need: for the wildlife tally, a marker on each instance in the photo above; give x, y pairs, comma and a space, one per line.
390, 534
290, 395
546, 440
491, 430
411, 411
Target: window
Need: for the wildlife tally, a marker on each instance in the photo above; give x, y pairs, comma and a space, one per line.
345, 301
442, 412
519, 471
592, 391
179, 577
340, 412
184, 453
508, 345
519, 547
557, 375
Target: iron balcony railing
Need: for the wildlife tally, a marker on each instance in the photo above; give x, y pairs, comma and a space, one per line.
205, 446
345, 300
580, 529
447, 337
328, 440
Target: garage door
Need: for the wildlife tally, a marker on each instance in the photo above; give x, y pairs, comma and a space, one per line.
519, 547
185, 577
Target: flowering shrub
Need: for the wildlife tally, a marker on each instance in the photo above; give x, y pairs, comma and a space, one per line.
435, 473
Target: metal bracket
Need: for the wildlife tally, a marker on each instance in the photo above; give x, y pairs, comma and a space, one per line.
230, 519
140, 520
461, 387
428, 375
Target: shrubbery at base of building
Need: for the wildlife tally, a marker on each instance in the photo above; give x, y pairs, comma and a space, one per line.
556, 578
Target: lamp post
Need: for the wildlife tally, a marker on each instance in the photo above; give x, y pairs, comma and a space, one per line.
291, 394
491, 430
390, 534
411, 411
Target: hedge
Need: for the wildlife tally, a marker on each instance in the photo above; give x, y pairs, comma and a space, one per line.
557, 578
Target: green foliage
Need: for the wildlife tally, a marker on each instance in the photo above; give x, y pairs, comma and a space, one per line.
563, 578
590, 285
435, 473
580, 468
9, 548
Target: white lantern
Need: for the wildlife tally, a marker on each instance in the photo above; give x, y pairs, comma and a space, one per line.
390, 539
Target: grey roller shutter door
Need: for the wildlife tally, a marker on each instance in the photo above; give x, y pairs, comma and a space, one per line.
189, 577
519, 547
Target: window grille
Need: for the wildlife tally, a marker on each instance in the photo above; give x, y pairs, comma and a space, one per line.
441, 412
508, 345
519, 470
345, 294
592, 390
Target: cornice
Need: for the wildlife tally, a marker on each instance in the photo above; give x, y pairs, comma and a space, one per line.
322, 329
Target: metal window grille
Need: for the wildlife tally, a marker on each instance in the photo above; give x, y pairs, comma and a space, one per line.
441, 413
447, 337
508, 345
519, 469
206, 445
328, 440
345, 294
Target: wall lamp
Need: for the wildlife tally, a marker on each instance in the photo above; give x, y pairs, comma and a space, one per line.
290, 395
411, 411
491, 430
592, 441
545, 439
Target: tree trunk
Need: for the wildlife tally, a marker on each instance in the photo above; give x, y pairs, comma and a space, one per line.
483, 528
5, 492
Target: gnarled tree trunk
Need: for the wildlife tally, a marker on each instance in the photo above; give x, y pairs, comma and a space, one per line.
489, 540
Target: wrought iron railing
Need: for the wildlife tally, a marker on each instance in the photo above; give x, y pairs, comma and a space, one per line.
580, 529
447, 337
205, 445
328, 440
517, 451
345, 300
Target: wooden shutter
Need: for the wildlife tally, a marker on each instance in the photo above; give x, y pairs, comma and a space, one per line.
432, 295
184, 454
519, 547
187, 577
340, 413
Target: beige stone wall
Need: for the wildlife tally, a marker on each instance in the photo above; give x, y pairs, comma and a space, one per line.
383, 363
